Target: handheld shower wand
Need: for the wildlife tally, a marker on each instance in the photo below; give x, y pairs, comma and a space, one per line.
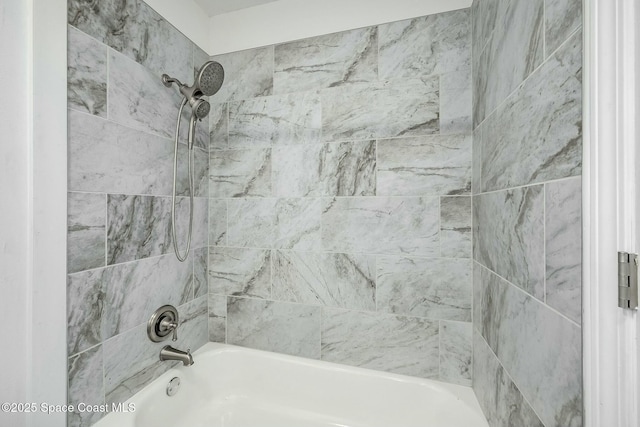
208, 81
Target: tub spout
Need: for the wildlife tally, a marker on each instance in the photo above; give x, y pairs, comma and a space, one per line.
170, 353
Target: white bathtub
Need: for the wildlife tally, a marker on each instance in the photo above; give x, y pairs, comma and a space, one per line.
232, 386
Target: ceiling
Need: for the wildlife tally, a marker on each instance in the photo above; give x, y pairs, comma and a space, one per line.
218, 7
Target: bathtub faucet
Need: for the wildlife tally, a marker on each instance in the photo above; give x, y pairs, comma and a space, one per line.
170, 353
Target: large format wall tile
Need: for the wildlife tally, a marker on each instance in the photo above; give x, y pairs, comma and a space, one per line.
428, 165
240, 272
336, 280
455, 227
134, 29
509, 236
326, 61
217, 318
86, 74
483, 15
333, 169
217, 222
85, 386
382, 225
135, 290
562, 17
275, 223
381, 110
289, 119
247, 74
200, 272
529, 338
563, 247
433, 44
432, 288
86, 295
456, 91
240, 173
106, 157
86, 231
515, 49
219, 127
456, 352
194, 322
130, 363
499, 398
137, 97
402, 345
274, 326
140, 226
536, 135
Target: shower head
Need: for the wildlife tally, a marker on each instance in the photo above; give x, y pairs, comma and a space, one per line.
200, 108
209, 78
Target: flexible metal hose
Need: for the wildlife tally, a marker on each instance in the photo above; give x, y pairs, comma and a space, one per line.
192, 125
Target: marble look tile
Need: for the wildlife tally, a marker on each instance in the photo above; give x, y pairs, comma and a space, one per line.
427, 165
274, 326
455, 227
86, 295
240, 272
134, 290
515, 49
326, 61
247, 74
277, 223
500, 400
240, 173
109, 158
217, 222
456, 349
455, 102
483, 14
335, 280
200, 272
140, 226
383, 225
137, 31
536, 135
563, 247
381, 110
86, 231
193, 332
433, 44
137, 227
130, 363
137, 98
402, 345
508, 229
86, 74
529, 338
562, 18
217, 318
85, 386
342, 169
433, 288
476, 163
288, 119
219, 126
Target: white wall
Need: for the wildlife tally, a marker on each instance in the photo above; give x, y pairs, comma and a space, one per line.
287, 20
13, 209
33, 208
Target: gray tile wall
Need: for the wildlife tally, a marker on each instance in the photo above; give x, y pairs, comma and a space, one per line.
120, 255
527, 158
340, 210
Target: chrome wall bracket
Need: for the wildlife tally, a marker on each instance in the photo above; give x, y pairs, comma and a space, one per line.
162, 323
627, 280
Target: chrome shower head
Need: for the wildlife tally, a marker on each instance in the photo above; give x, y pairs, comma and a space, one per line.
209, 78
